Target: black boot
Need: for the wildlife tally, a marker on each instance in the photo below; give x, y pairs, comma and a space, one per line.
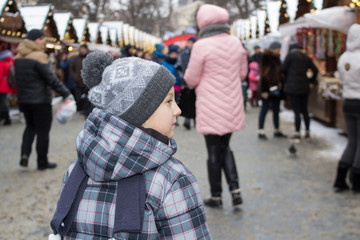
340, 181
24, 161
214, 173
47, 166
232, 176
355, 179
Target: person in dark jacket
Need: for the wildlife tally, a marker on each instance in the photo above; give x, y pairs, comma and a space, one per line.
187, 96
65, 66
128, 51
158, 55
256, 57
82, 103
297, 85
35, 83
270, 88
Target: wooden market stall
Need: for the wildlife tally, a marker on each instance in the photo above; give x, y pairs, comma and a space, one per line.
12, 26
42, 17
118, 25
323, 36
82, 30
66, 29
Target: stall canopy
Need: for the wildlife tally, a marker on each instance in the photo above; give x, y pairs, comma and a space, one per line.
95, 34
65, 27
41, 17
335, 18
12, 27
82, 30
118, 25
105, 38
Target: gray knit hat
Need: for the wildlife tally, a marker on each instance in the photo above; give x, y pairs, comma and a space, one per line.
131, 88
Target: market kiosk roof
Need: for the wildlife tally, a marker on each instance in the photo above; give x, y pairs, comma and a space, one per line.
95, 33
12, 27
118, 25
82, 30
41, 17
64, 24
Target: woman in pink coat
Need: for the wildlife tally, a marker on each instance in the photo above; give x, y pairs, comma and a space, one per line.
217, 65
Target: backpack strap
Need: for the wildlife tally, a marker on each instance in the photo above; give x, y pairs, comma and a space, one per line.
69, 201
130, 204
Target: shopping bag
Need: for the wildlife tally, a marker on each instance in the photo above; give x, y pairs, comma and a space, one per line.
65, 111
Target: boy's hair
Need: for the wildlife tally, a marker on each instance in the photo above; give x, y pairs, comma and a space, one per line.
131, 88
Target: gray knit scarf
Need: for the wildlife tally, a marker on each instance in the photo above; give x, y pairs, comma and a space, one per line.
214, 29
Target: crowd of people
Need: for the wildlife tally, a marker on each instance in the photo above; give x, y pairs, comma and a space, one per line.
131, 105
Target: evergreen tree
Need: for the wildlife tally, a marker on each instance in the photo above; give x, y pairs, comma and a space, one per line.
267, 25
284, 17
304, 6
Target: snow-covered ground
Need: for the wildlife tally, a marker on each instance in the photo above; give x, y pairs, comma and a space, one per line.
332, 136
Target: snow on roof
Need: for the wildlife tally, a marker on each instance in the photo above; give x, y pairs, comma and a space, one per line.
104, 33
35, 16
93, 30
62, 22
3, 4
131, 33
126, 32
115, 24
113, 33
79, 25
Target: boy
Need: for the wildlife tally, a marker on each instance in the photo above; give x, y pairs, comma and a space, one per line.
125, 184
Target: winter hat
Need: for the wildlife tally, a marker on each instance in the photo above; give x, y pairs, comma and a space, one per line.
159, 47
131, 88
193, 39
275, 45
295, 46
254, 65
173, 48
34, 34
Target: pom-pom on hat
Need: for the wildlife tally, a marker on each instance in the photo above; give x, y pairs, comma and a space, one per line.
34, 34
131, 88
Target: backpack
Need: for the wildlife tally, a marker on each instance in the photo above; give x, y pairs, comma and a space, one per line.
11, 80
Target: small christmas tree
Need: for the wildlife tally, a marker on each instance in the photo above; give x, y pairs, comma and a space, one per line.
250, 32
284, 17
267, 24
257, 33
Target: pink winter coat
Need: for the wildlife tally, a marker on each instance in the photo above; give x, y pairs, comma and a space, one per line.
216, 67
254, 76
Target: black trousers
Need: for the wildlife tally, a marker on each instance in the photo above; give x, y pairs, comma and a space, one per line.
4, 108
299, 103
220, 158
38, 119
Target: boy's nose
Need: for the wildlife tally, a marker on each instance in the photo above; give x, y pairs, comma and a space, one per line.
177, 110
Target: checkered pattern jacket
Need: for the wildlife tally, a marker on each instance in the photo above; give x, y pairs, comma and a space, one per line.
110, 149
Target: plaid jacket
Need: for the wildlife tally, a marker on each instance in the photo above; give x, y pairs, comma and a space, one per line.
109, 150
